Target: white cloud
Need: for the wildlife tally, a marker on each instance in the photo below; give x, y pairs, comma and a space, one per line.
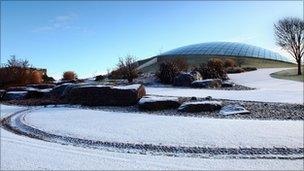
58, 23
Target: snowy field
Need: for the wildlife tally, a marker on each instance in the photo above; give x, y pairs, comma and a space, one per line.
268, 89
23, 153
166, 130
5, 110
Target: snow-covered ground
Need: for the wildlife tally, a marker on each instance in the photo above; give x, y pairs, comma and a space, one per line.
166, 130
268, 89
22, 153
5, 110
19, 152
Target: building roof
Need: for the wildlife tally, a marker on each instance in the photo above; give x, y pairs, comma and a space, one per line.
233, 49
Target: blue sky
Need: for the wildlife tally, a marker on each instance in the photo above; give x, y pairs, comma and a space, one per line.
89, 37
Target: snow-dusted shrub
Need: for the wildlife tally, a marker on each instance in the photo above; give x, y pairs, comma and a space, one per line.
69, 75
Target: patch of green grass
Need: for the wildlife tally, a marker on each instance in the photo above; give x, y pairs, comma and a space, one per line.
289, 74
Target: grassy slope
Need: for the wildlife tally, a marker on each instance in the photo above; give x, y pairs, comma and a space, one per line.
289, 74
247, 62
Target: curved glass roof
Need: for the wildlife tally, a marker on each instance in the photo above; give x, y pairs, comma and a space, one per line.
226, 49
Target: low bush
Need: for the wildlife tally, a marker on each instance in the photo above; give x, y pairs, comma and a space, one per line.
180, 63
214, 69
167, 72
127, 67
36, 77
249, 68
99, 78
170, 68
234, 70
229, 63
15, 76
69, 75
47, 79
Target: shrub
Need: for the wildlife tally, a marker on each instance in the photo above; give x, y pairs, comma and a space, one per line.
240, 61
249, 68
170, 68
99, 78
180, 63
229, 63
69, 75
47, 79
14, 76
127, 68
213, 69
167, 72
234, 70
115, 74
36, 77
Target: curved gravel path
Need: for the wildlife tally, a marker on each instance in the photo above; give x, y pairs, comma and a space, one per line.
17, 124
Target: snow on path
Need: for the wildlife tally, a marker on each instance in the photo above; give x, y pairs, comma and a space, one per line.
23, 153
268, 89
166, 130
5, 110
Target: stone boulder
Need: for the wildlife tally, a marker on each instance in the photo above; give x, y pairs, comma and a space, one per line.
2, 92
158, 103
57, 92
233, 110
41, 86
208, 83
200, 106
183, 79
228, 84
196, 75
14, 95
19, 88
100, 95
38, 93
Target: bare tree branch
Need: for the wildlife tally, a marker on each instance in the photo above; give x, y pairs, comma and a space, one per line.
289, 33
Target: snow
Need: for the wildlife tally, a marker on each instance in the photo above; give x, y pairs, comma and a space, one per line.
147, 99
132, 86
16, 92
268, 89
166, 130
23, 153
6, 110
202, 102
203, 81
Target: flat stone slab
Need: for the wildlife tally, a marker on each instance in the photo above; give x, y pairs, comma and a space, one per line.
233, 110
15, 95
158, 103
101, 95
200, 106
208, 83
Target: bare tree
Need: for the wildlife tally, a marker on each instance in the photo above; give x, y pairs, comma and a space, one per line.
14, 62
289, 34
128, 68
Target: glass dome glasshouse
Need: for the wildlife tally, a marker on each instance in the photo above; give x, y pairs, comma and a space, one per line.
226, 49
